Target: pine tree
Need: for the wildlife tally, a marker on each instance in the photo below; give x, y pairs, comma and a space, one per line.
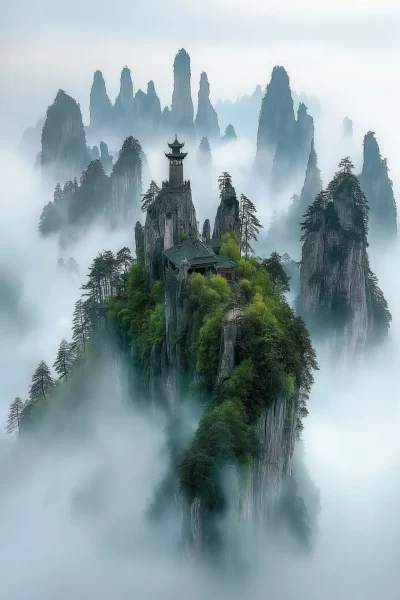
249, 225
124, 259
14, 416
277, 274
42, 384
49, 221
345, 165
81, 328
64, 361
226, 188
58, 194
149, 197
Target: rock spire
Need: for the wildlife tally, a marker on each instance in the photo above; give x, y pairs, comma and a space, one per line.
124, 107
182, 105
338, 289
378, 188
64, 152
100, 105
126, 184
277, 120
206, 122
227, 217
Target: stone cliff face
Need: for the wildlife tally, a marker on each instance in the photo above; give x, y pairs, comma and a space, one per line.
126, 185
105, 158
153, 106
292, 152
100, 105
148, 113
124, 107
347, 129
302, 137
378, 188
311, 188
276, 122
206, 233
206, 122
227, 217
30, 141
229, 135
182, 105
64, 152
337, 286
204, 158
169, 219
254, 494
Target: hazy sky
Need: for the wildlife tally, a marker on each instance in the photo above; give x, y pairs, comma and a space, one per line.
327, 47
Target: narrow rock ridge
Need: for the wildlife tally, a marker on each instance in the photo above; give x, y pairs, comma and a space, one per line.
124, 107
347, 129
105, 158
204, 158
378, 188
206, 122
292, 152
276, 122
230, 134
338, 289
206, 233
311, 188
126, 185
182, 105
227, 217
100, 105
64, 152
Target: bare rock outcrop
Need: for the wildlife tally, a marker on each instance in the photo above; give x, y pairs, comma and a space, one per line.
227, 217
206, 122
338, 288
378, 188
182, 105
64, 152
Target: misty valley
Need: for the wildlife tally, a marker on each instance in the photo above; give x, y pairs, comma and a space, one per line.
199, 348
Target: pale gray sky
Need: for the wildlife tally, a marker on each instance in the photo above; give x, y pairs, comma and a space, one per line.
346, 50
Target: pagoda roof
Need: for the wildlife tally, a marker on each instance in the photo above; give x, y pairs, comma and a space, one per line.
175, 144
176, 154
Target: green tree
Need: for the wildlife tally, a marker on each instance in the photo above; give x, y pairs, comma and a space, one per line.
41, 386
227, 192
230, 245
345, 165
81, 328
249, 225
14, 416
124, 259
50, 220
149, 197
277, 273
64, 361
58, 194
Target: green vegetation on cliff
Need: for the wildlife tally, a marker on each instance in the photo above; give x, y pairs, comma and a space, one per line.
273, 356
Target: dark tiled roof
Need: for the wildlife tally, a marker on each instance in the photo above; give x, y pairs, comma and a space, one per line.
195, 251
224, 262
198, 254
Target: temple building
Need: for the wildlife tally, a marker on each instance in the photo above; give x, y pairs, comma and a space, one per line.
200, 259
171, 237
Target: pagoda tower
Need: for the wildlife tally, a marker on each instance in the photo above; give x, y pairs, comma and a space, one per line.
176, 158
